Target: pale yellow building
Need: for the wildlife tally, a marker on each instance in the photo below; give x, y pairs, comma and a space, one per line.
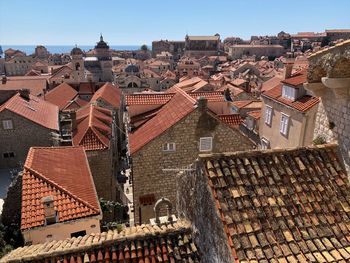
288, 114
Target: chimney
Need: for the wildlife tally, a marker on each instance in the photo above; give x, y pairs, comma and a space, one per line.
4, 80
288, 67
24, 93
202, 103
49, 210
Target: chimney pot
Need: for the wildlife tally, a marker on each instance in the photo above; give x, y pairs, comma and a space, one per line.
4, 80
24, 93
49, 210
288, 68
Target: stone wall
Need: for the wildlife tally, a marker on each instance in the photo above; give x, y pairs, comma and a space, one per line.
24, 135
195, 202
148, 163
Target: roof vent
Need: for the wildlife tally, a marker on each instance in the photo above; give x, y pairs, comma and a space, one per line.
4, 80
51, 215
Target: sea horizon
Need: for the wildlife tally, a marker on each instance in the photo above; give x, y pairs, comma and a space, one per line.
61, 49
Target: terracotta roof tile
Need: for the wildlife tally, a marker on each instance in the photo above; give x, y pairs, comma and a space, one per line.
254, 114
145, 243
44, 176
109, 93
35, 109
61, 95
93, 128
232, 120
297, 79
36, 84
302, 104
211, 96
148, 99
286, 205
180, 105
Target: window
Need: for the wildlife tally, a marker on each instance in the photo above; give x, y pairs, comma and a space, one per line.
169, 147
284, 124
265, 144
7, 124
288, 92
268, 115
78, 234
205, 144
8, 155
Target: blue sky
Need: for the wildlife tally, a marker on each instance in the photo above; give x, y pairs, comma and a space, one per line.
136, 22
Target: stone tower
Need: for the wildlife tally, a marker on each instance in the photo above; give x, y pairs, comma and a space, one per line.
78, 74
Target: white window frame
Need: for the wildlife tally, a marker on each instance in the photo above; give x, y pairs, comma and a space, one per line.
268, 115
289, 92
202, 144
169, 147
284, 124
265, 144
7, 124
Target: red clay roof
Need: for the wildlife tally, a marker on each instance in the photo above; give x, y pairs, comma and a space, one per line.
297, 79
62, 95
36, 84
36, 110
177, 108
93, 128
254, 114
44, 175
148, 99
109, 93
211, 96
232, 120
302, 104
247, 104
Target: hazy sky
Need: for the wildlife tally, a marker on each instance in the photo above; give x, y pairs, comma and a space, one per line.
136, 22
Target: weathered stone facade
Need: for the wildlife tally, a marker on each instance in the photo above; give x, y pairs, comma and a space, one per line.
148, 163
329, 78
194, 202
18, 140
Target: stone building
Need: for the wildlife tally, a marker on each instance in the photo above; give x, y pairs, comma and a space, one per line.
268, 206
25, 121
239, 51
176, 48
95, 131
59, 199
199, 46
329, 78
18, 65
41, 53
289, 114
336, 34
172, 139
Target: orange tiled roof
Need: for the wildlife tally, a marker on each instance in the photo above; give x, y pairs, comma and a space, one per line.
36, 84
44, 175
148, 99
180, 105
254, 114
211, 96
247, 104
109, 93
93, 128
171, 242
232, 120
302, 104
282, 205
36, 110
61, 95
297, 79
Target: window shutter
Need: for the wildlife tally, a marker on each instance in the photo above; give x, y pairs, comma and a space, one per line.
205, 144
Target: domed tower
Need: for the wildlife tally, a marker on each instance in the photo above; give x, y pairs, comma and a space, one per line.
78, 73
104, 56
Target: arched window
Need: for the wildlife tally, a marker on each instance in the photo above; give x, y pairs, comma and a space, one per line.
77, 66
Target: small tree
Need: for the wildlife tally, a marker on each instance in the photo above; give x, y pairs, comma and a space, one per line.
144, 48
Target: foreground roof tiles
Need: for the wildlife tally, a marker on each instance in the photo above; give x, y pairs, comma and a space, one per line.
145, 243
44, 175
36, 110
233, 120
61, 96
93, 128
301, 104
36, 84
180, 105
283, 205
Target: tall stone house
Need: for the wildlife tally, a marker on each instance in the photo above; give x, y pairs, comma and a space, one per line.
269, 206
59, 199
95, 131
288, 114
172, 140
25, 121
329, 78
